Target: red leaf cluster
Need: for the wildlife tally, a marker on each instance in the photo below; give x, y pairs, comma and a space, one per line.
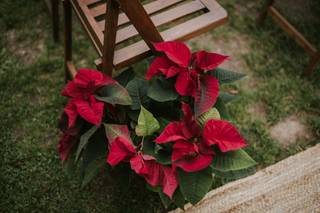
121, 149
82, 103
190, 70
81, 92
192, 149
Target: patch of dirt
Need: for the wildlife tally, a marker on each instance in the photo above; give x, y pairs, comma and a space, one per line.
258, 111
290, 130
26, 49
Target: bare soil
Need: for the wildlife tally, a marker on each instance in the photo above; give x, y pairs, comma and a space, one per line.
258, 111
290, 130
27, 50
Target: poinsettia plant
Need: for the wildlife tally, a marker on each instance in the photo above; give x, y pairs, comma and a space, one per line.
171, 127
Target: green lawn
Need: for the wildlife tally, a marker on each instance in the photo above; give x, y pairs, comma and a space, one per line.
31, 77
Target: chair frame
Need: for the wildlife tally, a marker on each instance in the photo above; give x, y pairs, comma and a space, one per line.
138, 17
53, 7
313, 53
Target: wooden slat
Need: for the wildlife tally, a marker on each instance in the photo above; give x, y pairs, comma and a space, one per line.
150, 8
88, 22
96, 43
89, 2
212, 5
141, 21
184, 31
162, 18
292, 31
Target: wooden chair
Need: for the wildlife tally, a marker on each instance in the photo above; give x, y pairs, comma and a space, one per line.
313, 53
115, 26
53, 7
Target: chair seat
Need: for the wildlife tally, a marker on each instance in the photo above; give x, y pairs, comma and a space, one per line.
175, 20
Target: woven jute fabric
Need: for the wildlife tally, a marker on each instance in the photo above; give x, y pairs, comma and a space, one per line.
292, 185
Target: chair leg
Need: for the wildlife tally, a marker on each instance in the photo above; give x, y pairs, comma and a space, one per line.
312, 65
55, 19
262, 16
111, 23
67, 36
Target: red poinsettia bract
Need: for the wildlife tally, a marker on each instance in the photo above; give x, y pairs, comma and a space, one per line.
192, 150
222, 134
82, 102
121, 149
154, 173
190, 70
190, 153
81, 90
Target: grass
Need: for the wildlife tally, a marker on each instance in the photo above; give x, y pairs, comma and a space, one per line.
32, 178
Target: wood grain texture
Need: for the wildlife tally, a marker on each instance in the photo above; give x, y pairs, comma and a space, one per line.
67, 11
151, 8
184, 31
143, 20
161, 19
55, 19
110, 36
292, 185
72, 69
88, 22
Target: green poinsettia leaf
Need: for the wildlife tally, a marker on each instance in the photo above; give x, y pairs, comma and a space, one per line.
70, 165
162, 91
211, 114
138, 89
133, 115
147, 123
114, 94
155, 150
148, 148
93, 159
92, 170
195, 185
178, 199
125, 76
166, 201
221, 107
153, 188
84, 139
115, 130
163, 123
232, 161
226, 97
233, 175
226, 76
159, 109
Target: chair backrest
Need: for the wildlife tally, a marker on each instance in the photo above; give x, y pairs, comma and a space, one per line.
137, 16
